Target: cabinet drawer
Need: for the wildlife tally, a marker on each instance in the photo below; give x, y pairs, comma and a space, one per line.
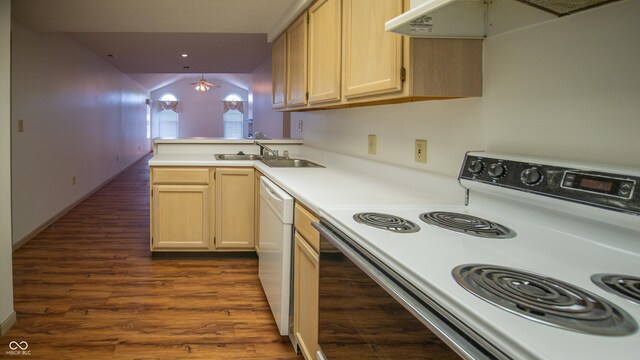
181, 176
302, 221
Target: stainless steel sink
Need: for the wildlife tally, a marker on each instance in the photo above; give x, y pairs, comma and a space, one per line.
237, 157
295, 163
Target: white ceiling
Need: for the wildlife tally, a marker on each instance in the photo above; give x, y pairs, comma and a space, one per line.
137, 52
147, 36
213, 16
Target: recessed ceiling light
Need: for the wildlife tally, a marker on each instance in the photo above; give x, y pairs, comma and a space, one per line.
184, 55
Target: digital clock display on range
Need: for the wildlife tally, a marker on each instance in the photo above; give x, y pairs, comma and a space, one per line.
597, 185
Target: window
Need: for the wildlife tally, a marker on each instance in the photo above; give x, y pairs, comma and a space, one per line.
168, 97
168, 116
233, 117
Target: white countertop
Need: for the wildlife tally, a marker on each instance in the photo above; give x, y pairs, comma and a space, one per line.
220, 140
344, 181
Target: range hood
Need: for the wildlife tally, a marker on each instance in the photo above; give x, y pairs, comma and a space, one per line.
468, 18
442, 18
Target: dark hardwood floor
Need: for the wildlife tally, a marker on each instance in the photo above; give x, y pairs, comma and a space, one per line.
87, 288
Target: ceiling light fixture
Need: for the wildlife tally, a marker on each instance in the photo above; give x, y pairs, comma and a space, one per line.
204, 85
184, 55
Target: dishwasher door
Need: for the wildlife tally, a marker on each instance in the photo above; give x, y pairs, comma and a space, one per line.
274, 263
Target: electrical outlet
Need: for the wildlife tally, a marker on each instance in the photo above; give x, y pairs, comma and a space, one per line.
421, 151
299, 125
373, 144
20, 125
73, 180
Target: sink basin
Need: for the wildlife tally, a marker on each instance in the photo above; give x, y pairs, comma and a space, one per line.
296, 163
238, 157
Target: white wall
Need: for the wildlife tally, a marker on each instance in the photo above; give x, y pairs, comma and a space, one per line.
200, 112
265, 119
568, 89
82, 118
6, 272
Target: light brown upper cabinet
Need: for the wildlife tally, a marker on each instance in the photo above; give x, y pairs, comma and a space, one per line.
278, 72
372, 57
324, 51
297, 62
352, 61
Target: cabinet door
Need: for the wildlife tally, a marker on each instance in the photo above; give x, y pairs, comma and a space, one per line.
278, 72
305, 297
324, 51
372, 57
234, 208
297, 62
181, 218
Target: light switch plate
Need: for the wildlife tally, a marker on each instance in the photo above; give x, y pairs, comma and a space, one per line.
421, 151
20, 125
373, 144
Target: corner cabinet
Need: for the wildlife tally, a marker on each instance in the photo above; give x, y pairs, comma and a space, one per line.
306, 278
235, 213
181, 214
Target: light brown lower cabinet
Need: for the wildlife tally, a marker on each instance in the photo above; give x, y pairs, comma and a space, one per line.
181, 212
305, 297
202, 209
306, 277
181, 218
235, 213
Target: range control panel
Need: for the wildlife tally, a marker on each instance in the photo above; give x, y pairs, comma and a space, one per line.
613, 191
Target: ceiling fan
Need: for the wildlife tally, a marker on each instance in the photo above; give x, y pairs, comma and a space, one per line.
204, 85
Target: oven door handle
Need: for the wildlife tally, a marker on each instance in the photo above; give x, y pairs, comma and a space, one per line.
425, 315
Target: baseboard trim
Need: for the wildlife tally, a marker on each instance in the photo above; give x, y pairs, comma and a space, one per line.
18, 244
7, 323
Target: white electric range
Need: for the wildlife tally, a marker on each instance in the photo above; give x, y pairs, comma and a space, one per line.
528, 269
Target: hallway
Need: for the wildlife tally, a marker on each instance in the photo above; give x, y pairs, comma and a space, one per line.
86, 287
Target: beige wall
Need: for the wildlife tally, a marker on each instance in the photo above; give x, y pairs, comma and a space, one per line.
82, 118
567, 88
6, 274
200, 112
265, 119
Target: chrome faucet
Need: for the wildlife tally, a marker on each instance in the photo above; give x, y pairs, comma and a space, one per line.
264, 148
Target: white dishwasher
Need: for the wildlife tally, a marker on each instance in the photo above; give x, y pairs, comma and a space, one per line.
274, 263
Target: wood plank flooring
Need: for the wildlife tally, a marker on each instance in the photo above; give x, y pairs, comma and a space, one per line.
87, 288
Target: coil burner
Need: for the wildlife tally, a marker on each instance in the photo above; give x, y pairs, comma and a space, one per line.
626, 286
386, 222
545, 300
467, 224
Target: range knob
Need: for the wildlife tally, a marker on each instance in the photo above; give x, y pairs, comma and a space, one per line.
531, 176
497, 170
476, 167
